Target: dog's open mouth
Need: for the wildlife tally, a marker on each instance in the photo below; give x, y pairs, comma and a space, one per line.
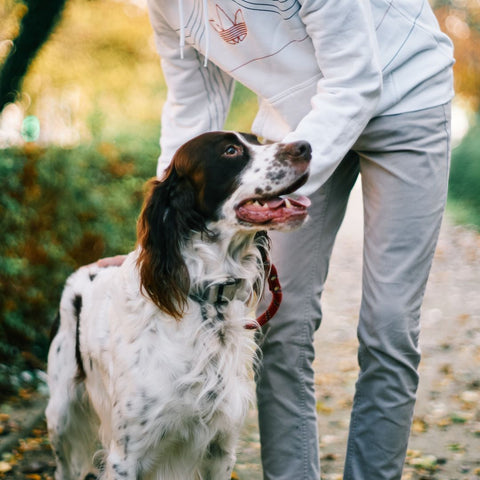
277, 208
273, 209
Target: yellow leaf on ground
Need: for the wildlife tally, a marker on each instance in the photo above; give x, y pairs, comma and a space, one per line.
419, 425
5, 467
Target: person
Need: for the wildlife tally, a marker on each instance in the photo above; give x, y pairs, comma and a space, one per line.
369, 85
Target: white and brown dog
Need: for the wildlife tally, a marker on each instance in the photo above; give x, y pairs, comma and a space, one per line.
150, 364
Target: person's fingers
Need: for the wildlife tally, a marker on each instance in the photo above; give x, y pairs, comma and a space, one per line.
115, 261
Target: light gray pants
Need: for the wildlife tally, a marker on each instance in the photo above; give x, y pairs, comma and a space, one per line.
403, 161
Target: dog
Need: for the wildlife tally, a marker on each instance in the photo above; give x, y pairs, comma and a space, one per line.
149, 367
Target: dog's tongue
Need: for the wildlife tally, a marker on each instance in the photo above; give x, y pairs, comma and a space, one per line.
275, 209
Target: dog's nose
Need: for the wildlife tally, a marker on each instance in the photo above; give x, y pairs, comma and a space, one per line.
300, 150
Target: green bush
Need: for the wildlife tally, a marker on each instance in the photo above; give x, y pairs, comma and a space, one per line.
59, 209
464, 186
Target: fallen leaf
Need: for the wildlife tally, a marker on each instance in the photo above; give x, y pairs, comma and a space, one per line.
419, 425
463, 317
322, 408
5, 467
26, 393
446, 369
329, 457
469, 396
426, 462
443, 423
30, 444
458, 418
476, 429
456, 447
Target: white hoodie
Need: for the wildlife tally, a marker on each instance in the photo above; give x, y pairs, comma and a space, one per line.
321, 68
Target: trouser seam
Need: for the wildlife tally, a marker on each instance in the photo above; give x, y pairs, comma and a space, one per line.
445, 127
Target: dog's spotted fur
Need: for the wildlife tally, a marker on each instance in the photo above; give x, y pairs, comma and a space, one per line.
147, 380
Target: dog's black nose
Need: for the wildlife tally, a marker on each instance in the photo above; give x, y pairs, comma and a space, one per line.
301, 150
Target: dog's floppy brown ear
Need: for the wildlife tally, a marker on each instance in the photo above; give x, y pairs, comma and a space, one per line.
168, 218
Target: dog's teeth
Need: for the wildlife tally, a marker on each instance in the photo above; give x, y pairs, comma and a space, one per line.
287, 203
265, 205
256, 203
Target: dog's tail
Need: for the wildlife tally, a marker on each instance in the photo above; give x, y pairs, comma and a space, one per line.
35, 28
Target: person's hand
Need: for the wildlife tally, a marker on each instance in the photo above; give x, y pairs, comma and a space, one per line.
115, 261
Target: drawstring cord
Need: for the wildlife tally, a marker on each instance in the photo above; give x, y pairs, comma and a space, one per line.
182, 27
207, 32
206, 24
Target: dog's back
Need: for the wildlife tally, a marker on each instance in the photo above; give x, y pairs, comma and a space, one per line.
72, 422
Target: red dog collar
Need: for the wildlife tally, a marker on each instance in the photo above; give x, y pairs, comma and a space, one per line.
276, 289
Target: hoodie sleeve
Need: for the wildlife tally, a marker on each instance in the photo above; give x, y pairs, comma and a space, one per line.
346, 50
198, 97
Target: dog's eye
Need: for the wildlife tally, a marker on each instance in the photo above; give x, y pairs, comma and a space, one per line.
232, 151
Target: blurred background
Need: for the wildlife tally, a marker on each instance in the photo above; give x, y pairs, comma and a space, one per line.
82, 138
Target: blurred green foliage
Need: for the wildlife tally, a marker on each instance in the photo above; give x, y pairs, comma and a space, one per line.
464, 186
59, 209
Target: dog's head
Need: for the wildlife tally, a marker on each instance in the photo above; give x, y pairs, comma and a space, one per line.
235, 179
218, 181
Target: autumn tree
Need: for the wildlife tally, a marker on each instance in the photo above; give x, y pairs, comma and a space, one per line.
460, 19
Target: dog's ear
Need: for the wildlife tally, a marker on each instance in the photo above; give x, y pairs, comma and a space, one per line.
167, 221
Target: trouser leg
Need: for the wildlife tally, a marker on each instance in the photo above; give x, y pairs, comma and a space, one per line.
404, 163
285, 383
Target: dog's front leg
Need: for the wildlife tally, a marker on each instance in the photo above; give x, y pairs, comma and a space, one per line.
220, 459
119, 465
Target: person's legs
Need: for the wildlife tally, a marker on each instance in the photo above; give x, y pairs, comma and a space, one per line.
285, 383
404, 162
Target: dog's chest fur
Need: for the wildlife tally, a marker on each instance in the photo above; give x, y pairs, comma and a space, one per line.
170, 377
